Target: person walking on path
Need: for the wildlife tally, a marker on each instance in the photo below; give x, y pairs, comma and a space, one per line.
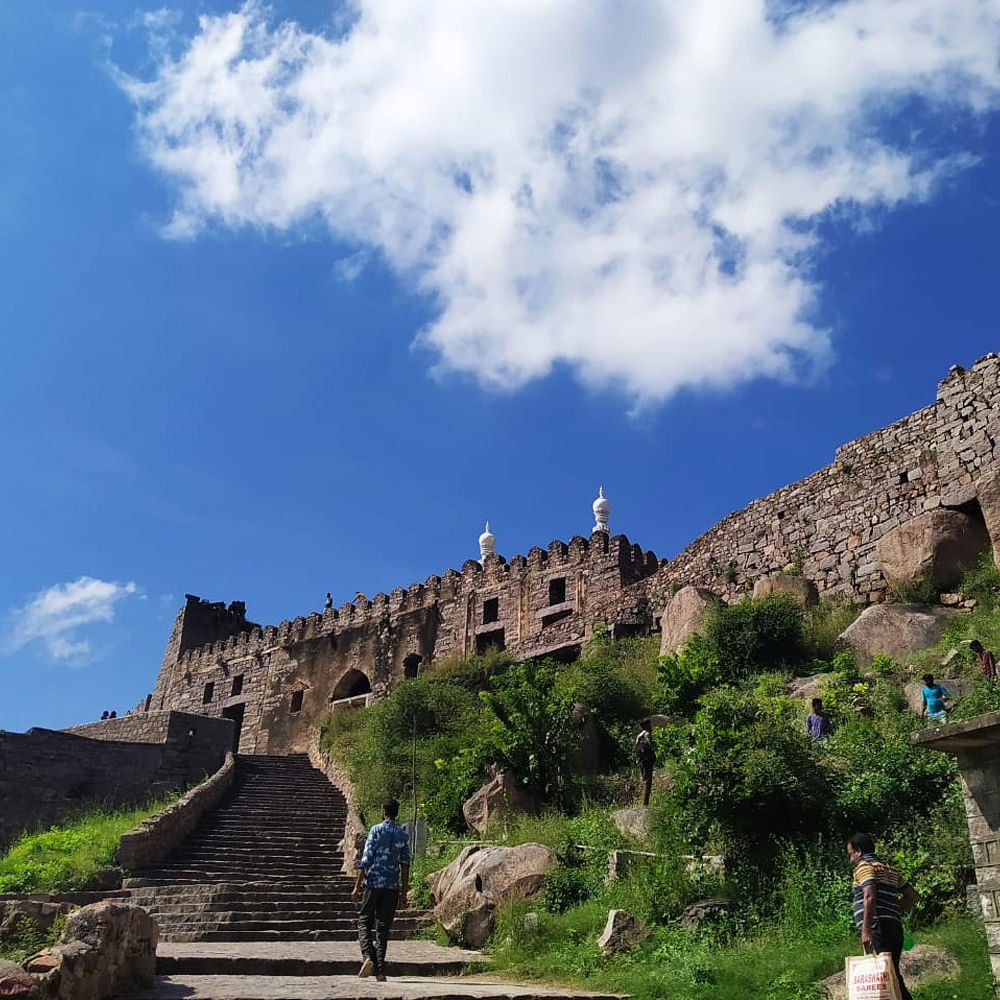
819, 725
986, 660
881, 897
645, 756
385, 867
934, 698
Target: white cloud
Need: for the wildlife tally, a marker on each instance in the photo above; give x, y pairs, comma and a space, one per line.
628, 189
54, 616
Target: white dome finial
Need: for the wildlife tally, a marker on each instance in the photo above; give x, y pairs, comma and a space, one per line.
602, 509
487, 543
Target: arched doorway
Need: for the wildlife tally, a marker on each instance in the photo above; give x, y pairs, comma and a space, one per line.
354, 684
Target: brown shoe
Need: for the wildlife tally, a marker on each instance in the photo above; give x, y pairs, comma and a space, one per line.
380, 977
367, 968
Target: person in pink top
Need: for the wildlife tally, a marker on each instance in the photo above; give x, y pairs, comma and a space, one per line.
986, 660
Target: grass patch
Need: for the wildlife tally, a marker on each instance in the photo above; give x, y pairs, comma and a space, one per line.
69, 857
766, 962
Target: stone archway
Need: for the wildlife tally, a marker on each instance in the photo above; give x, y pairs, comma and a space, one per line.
354, 684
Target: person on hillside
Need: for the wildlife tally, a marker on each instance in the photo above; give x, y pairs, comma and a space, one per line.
645, 756
881, 897
986, 660
819, 725
934, 698
385, 868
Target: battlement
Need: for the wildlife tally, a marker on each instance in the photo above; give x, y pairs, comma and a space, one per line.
246, 639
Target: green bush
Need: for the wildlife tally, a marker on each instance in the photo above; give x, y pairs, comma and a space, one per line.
531, 729
754, 775
753, 636
424, 725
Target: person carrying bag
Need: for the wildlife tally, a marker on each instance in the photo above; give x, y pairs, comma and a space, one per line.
881, 896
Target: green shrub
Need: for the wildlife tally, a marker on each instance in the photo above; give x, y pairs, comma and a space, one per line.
531, 729
753, 775
824, 622
753, 636
913, 592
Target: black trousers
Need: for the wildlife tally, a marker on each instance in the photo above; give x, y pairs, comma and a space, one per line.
647, 783
378, 907
887, 935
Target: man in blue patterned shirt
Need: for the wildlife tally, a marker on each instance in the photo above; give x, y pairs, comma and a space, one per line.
385, 867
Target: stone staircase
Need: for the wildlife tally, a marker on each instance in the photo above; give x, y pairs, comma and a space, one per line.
263, 866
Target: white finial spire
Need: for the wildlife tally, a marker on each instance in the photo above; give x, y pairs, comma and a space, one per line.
602, 510
487, 543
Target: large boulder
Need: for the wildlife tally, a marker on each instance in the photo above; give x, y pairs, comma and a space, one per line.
923, 963
804, 592
636, 823
501, 794
895, 629
685, 613
107, 948
988, 495
807, 688
935, 548
468, 891
621, 932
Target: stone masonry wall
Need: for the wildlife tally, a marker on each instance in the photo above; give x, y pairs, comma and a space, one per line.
279, 681
47, 775
284, 678
827, 524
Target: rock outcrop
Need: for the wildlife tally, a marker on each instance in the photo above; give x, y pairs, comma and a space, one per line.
468, 891
685, 613
801, 590
895, 629
499, 795
621, 932
988, 495
935, 548
636, 823
107, 948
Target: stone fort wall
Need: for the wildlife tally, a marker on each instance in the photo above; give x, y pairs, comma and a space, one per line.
277, 682
46, 776
827, 524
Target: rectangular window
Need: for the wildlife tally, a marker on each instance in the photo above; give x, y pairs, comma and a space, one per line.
557, 590
206, 695
237, 685
296, 702
491, 610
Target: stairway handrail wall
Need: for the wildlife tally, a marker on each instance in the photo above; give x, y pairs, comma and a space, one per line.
151, 842
354, 826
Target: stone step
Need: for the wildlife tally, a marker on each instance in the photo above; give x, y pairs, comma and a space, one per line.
344, 934
244, 922
290, 908
401, 985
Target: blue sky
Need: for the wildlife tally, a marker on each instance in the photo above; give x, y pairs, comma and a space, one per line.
294, 298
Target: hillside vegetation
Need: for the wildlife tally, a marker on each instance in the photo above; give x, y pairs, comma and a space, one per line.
737, 776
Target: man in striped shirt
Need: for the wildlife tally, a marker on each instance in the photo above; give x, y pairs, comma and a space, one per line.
881, 896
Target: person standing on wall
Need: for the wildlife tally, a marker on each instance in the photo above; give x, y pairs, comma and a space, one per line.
385, 868
881, 897
645, 756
